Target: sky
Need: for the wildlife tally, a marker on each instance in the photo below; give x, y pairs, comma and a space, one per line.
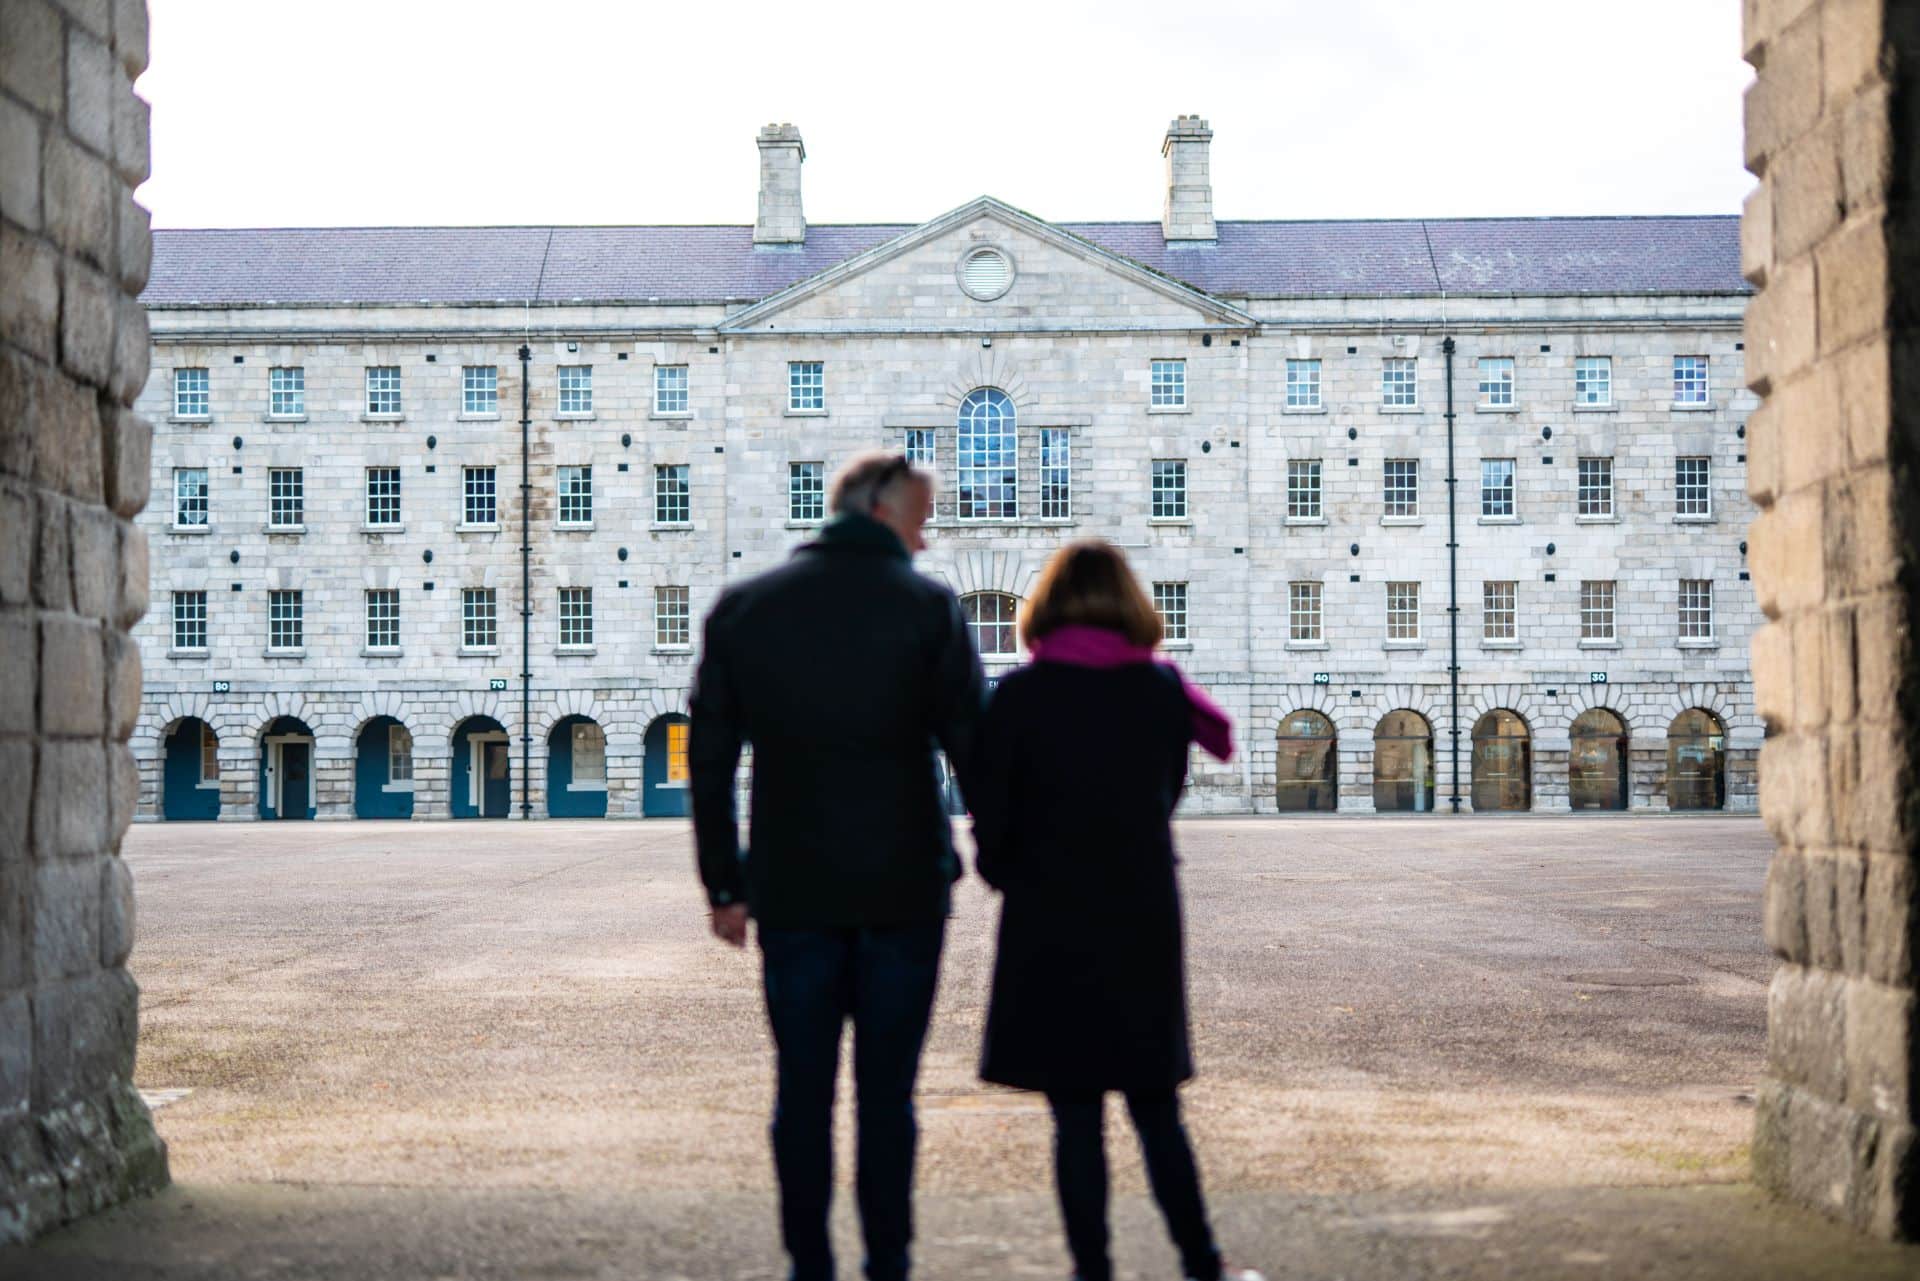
475, 112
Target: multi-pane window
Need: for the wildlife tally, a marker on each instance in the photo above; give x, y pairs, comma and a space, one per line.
679, 739
1596, 487
1169, 385
1596, 610
480, 389
1496, 382
1402, 488
1498, 612
383, 497
1303, 489
286, 620
1303, 612
576, 495
399, 754
383, 618
1403, 611
209, 754
990, 621
1170, 602
576, 389
987, 466
576, 616
1689, 380
1496, 487
286, 497
189, 620
1397, 382
192, 397
670, 389
1056, 474
383, 389
1303, 384
589, 748
1593, 380
1169, 489
672, 495
919, 444
806, 386
190, 497
1696, 609
1692, 487
480, 499
287, 391
672, 617
806, 491
479, 618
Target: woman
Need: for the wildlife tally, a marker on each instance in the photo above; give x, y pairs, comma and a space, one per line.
1082, 755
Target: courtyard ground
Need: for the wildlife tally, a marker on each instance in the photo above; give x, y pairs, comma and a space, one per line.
1484, 1047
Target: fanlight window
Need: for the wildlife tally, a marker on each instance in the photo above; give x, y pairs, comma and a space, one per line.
989, 471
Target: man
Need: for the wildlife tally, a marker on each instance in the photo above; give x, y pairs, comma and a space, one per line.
842, 668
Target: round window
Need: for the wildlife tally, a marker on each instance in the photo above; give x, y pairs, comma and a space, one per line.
986, 274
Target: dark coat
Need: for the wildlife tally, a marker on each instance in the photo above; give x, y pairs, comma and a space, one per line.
842, 668
1078, 771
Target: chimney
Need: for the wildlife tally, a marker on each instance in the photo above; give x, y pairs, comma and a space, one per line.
780, 221
1189, 212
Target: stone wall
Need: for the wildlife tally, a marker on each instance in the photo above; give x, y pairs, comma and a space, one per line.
74, 254
1832, 136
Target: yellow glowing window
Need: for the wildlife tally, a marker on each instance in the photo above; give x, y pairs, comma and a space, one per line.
677, 752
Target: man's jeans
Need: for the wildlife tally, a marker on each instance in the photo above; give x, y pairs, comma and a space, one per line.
883, 979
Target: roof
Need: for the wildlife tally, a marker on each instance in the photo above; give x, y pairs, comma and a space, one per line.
1387, 258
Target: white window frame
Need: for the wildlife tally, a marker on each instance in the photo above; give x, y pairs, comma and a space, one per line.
287, 391
480, 391
1170, 602
672, 617
1400, 489
286, 499
1500, 611
399, 755
575, 615
1599, 598
286, 621
1696, 611
190, 510
1056, 473
987, 474
1693, 488
1303, 383
672, 494
1167, 384
383, 492
1403, 613
1692, 381
1499, 490
382, 616
190, 621
479, 619
1593, 382
1006, 612
806, 493
1593, 500
806, 386
1306, 613
587, 754
383, 391
477, 481
672, 391
920, 448
193, 394
1400, 382
575, 384
1304, 490
1496, 382
1169, 490
573, 492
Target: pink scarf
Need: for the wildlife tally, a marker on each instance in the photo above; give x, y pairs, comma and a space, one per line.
1097, 647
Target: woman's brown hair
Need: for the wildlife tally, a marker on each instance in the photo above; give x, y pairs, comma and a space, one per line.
1088, 584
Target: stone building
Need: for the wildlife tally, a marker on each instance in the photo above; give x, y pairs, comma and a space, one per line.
1449, 514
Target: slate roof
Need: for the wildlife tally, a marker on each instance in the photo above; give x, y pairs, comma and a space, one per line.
400, 265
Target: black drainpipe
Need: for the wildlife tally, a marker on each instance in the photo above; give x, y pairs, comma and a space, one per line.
1453, 586
526, 580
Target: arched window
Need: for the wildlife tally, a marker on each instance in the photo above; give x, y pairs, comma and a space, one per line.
990, 621
1696, 761
1502, 763
1304, 770
989, 473
1403, 763
1597, 775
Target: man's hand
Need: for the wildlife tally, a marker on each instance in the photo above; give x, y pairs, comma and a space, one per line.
730, 924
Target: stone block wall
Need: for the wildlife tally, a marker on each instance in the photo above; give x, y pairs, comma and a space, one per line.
1827, 237
74, 254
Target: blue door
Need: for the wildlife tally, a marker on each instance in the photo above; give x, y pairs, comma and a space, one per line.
296, 783
182, 775
384, 745
577, 769
498, 792
664, 785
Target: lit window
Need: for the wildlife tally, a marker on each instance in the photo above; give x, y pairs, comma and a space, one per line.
987, 465
672, 495
1170, 602
286, 497
990, 621
678, 768
479, 618
1397, 386
286, 624
576, 389
1496, 487
1303, 489
1596, 611
672, 617
1303, 612
1696, 609
383, 389
1169, 384
670, 389
192, 397
1693, 487
189, 620
1593, 380
806, 492
399, 754
1403, 611
1498, 618
576, 617
1596, 487
1402, 487
287, 392
1689, 380
190, 497
383, 497
806, 386
576, 495
480, 507
1169, 489
588, 746
480, 389
383, 618
1056, 474
1303, 384
919, 447
1496, 381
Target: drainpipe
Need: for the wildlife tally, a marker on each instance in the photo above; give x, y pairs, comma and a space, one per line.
1453, 588
526, 584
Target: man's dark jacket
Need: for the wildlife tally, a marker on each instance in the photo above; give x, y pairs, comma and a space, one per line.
842, 668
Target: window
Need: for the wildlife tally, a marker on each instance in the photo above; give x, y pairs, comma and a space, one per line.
1397, 390
209, 754
1696, 609
192, 397
287, 392
589, 750
1498, 620
286, 498
679, 769
1303, 384
1403, 611
1169, 384
576, 617
479, 618
480, 507
1693, 487
1169, 489
383, 618
1303, 489
1303, 612
576, 495
806, 386
189, 620
1596, 611
988, 469
1056, 474
190, 497
286, 624
399, 754
1496, 488
1689, 380
1402, 490
383, 497
806, 492
920, 447
670, 389
480, 389
1170, 602
1596, 487
383, 389
1496, 382
990, 618
672, 617
576, 389
1593, 380
672, 495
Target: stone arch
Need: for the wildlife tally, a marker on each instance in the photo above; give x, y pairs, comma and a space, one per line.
990, 367
576, 774
1404, 772
1306, 761
184, 790
383, 767
1599, 772
1501, 775
480, 766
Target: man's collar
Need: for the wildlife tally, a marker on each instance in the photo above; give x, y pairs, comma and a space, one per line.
854, 532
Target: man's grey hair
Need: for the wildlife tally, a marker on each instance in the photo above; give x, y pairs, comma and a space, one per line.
871, 479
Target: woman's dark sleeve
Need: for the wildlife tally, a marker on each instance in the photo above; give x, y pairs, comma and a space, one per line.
991, 797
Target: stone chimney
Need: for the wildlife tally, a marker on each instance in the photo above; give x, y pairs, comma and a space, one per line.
1189, 211
780, 221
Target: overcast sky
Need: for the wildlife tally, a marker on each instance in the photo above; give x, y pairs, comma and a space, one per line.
477, 111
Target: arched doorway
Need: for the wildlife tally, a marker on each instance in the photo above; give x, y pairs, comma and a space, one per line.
383, 770
1502, 763
190, 773
664, 787
480, 776
1696, 761
286, 769
1304, 770
1403, 763
1597, 776
577, 769
990, 623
